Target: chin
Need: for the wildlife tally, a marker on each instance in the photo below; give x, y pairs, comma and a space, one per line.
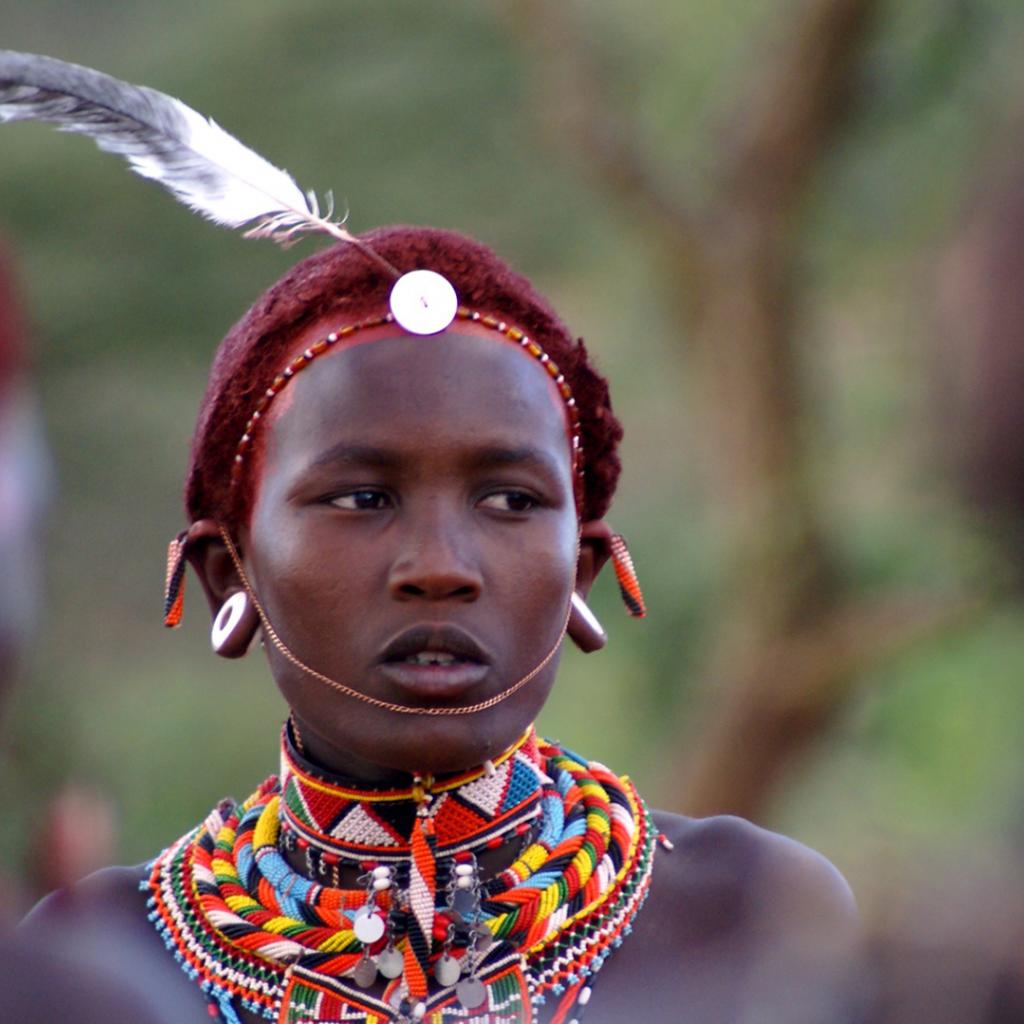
373, 743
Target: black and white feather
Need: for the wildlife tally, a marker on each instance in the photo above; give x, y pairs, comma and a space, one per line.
163, 139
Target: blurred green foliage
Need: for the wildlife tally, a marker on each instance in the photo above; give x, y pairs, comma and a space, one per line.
423, 113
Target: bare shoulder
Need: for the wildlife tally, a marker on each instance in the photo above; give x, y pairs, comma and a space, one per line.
114, 892
100, 926
751, 877
740, 924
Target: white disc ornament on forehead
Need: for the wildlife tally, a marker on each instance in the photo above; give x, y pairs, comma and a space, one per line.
423, 302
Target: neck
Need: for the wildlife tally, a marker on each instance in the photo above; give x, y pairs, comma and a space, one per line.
331, 823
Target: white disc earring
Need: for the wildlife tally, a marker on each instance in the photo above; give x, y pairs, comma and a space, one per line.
234, 626
586, 632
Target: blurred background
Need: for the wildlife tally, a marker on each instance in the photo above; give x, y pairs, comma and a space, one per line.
789, 230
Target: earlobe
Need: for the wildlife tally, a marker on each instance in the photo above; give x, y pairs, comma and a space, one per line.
202, 546
595, 550
235, 618
584, 629
234, 626
598, 544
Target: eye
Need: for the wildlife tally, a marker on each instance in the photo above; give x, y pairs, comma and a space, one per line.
366, 499
509, 501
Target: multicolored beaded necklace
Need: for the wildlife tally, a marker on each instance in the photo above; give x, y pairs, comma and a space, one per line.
425, 938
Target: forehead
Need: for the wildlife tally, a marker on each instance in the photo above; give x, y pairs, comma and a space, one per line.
458, 389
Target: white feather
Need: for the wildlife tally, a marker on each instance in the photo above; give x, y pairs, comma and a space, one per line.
167, 141
253, 189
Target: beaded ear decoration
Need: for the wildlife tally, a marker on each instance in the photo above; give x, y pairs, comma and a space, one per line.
629, 585
174, 584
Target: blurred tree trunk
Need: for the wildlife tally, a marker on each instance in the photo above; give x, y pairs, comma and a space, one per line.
979, 297
791, 643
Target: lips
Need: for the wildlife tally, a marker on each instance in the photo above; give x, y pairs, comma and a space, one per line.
434, 662
424, 639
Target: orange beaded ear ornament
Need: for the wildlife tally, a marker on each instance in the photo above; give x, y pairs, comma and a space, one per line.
174, 583
625, 573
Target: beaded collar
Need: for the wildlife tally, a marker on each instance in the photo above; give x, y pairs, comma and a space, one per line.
406, 947
334, 821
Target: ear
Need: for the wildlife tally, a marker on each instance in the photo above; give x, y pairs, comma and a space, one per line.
209, 558
595, 548
235, 620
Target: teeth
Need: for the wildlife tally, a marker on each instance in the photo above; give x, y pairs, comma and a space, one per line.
431, 658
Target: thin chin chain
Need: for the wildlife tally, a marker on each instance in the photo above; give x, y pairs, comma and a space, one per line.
348, 691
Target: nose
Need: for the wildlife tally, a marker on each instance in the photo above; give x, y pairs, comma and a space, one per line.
435, 563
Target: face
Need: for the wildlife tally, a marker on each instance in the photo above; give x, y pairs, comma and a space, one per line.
413, 535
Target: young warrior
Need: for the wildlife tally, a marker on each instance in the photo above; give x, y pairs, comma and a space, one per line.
404, 519
403, 498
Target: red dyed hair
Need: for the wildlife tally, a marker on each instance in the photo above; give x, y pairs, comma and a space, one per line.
341, 282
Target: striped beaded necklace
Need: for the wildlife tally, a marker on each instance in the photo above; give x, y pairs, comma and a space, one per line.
424, 938
333, 822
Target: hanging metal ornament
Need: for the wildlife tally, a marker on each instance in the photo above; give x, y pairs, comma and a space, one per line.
365, 973
447, 970
369, 926
471, 992
390, 962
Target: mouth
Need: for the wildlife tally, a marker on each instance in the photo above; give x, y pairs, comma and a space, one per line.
433, 658
433, 662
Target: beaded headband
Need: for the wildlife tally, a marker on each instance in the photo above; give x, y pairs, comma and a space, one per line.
325, 344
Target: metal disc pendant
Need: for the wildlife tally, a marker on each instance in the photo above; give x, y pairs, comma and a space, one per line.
368, 925
423, 302
472, 992
447, 970
390, 962
484, 938
465, 904
365, 973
